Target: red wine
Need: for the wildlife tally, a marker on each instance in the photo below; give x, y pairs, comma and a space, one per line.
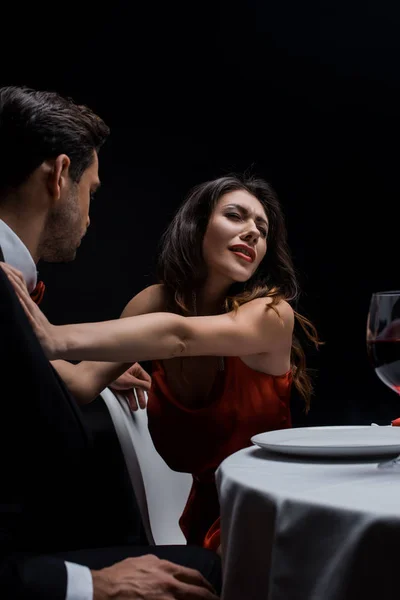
385, 358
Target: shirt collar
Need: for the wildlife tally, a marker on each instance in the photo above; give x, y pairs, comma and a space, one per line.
17, 255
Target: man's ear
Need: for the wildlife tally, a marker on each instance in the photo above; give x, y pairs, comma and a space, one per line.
57, 175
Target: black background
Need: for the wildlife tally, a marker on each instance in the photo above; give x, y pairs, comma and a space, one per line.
303, 94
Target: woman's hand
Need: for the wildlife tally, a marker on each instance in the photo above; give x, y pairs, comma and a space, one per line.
134, 378
44, 330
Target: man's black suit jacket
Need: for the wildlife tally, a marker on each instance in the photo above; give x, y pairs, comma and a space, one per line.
53, 494
53, 504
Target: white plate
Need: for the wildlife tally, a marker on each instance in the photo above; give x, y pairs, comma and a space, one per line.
332, 441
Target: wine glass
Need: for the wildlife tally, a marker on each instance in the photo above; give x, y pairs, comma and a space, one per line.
383, 343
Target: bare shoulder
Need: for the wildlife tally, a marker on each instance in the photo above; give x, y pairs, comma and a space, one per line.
151, 299
278, 318
283, 311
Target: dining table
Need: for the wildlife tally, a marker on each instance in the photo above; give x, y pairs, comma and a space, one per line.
305, 519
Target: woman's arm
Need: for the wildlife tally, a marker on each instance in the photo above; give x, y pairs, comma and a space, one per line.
252, 329
88, 378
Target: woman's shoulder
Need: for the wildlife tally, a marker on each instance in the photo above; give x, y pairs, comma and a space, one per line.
151, 299
274, 322
266, 306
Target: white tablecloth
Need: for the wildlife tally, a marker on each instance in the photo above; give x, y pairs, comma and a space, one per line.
308, 529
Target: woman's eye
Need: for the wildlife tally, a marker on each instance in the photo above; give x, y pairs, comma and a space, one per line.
233, 215
263, 232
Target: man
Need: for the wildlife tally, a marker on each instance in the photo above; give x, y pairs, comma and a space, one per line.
51, 542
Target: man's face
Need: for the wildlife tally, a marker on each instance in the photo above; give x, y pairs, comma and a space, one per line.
69, 219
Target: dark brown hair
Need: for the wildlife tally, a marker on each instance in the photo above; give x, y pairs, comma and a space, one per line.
182, 269
36, 126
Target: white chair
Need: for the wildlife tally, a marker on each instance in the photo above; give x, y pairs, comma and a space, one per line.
161, 493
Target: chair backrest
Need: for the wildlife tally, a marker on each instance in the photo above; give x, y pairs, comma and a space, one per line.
161, 493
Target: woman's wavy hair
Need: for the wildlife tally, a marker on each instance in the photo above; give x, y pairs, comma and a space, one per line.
182, 269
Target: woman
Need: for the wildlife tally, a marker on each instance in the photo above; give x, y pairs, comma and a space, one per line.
226, 373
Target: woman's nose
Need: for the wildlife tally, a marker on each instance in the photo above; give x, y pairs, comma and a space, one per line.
252, 234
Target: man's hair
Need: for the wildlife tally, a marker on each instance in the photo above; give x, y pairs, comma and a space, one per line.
36, 126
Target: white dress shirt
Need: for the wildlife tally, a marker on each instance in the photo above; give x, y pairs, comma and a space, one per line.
79, 578
17, 255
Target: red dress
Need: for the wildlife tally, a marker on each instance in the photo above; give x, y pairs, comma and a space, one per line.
242, 402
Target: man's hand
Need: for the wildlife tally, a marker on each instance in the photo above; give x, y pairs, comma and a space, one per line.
134, 377
149, 578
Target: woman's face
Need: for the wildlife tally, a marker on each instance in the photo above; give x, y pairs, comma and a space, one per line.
235, 241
